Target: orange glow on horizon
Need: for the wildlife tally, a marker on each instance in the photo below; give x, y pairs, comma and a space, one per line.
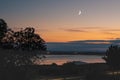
63, 36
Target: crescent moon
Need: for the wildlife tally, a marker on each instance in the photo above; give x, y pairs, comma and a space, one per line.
80, 12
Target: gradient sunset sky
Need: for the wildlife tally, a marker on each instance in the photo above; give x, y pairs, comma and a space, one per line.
59, 20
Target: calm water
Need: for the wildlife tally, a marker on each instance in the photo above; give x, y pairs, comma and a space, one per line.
60, 59
62, 78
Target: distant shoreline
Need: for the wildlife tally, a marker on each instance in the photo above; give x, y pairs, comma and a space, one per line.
74, 53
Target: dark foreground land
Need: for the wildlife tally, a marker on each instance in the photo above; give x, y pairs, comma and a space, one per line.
68, 71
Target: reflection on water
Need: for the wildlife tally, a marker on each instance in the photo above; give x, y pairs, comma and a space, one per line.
60, 59
62, 78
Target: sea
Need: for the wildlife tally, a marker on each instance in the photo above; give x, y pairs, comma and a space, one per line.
61, 59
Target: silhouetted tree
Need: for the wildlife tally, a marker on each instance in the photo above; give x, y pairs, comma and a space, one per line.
26, 40
112, 58
3, 29
8, 40
19, 48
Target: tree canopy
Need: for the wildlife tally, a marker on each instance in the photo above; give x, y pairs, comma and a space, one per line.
3, 28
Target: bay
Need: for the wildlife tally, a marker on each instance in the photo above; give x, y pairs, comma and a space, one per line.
61, 59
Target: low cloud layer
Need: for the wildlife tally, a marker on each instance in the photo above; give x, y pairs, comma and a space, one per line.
83, 46
74, 30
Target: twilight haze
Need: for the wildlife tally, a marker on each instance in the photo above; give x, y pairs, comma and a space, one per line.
58, 20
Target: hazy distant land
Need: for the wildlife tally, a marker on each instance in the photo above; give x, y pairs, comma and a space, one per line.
74, 53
